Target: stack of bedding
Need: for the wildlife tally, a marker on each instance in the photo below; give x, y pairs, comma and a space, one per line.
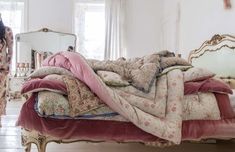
52, 95
160, 94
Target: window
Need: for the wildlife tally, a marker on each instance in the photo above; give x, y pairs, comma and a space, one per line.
89, 26
13, 15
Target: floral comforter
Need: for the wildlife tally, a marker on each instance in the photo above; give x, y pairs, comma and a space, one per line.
161, 116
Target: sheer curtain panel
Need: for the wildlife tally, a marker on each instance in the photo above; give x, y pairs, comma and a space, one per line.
114, 28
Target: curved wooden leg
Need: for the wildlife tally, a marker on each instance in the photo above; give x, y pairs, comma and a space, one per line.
25, 143
27, 147
41, 144
27, 138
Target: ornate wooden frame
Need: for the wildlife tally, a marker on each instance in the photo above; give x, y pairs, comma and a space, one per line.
41, 141
216, 43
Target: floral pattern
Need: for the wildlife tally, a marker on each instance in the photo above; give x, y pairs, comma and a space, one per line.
57, 102
145, 113
141, 72
168, 127
81, 99
163, 116
6, 49
161, 111
201, 106
3, 101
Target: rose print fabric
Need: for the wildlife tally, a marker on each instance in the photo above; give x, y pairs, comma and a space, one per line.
80, 99
3, 101
6, 48
199, 106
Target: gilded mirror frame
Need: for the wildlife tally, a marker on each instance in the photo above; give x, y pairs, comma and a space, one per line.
216, 44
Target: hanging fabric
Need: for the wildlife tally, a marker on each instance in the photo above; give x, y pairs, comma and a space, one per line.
114, 22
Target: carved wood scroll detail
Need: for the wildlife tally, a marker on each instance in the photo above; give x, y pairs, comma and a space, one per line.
215, 39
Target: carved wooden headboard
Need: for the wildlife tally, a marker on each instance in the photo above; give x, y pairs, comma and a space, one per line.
216, 55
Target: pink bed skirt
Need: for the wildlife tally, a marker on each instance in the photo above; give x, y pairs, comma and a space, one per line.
103, 130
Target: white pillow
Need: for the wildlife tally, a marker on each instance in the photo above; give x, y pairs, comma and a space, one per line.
46, 70
197, 74
51, 103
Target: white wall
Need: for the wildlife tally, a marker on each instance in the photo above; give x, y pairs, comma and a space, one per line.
142, 22
145, 22
53, 14
169, 33
201, 19
143, 26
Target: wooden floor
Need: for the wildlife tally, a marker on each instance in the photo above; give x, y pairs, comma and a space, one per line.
10, 141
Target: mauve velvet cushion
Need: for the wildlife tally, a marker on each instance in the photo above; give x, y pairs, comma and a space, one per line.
36, 85
209, 85
225, 107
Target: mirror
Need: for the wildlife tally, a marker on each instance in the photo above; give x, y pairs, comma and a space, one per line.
33, 47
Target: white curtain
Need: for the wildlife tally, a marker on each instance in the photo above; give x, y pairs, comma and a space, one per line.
169, 37
89, 27
114, 28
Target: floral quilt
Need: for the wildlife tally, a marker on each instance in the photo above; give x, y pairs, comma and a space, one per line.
161, 117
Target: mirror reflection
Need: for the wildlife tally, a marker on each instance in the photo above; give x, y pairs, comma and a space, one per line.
33, 47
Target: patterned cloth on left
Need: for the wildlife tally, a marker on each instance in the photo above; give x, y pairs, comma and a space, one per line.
3, 86
6, 50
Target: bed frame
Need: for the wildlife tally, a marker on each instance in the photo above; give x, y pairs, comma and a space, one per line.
216, 44
41, 141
